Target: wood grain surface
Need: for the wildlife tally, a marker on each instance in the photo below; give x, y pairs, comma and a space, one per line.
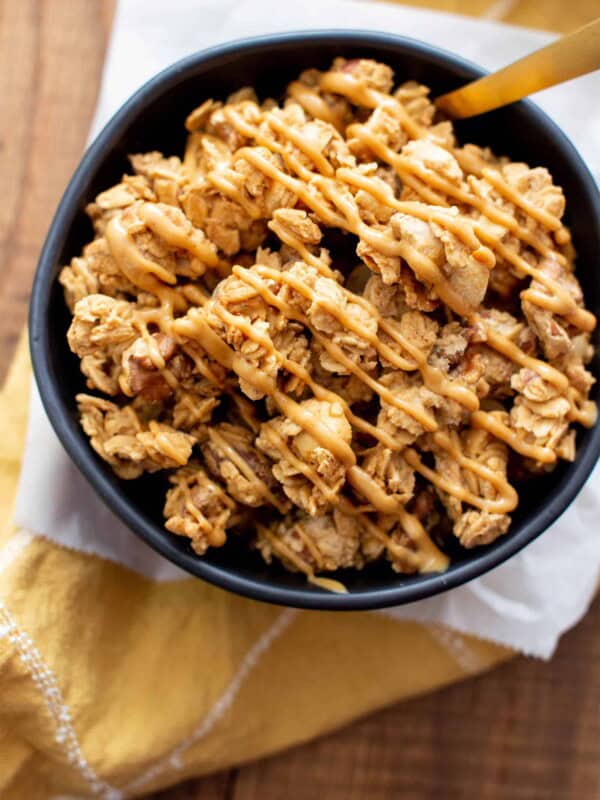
527, 731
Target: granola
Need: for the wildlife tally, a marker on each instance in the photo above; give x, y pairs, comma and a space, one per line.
341, 335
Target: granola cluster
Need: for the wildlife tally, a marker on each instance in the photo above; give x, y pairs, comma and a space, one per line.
344, 335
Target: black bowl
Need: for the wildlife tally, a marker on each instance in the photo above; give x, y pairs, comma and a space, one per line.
152, 119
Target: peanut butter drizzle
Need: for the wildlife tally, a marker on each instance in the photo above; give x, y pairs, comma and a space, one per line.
460, 227
424, 267
143, 273
492, 212
564, 303
432, 377
215, 537
516, 198
357, 93
360, 95
280, 547
494, 426
583, 411
310, 545
559, 304
190, 164
506, 502
252, 132
232, 454
135, 266
194, 294
306, 147
427, 558
310, 473
491, 423
324, 196
502, 344
371, 491
204, 369
320, 392
498, 481
308, 422
360, 480
312, 102
543, 300
334, 350
356, 476
231, 185
431, 557
305, 192
296, 244
194, 327
412, 557
158, 221
329, 584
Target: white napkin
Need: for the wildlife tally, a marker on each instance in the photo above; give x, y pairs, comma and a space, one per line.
526, 603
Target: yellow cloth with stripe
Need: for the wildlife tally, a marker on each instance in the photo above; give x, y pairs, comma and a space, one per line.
112, 685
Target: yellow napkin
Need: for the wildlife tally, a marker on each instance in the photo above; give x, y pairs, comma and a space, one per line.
112, 685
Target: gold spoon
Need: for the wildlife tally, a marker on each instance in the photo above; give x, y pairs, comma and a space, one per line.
572, 55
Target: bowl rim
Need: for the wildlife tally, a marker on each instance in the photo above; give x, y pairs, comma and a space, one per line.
77, 447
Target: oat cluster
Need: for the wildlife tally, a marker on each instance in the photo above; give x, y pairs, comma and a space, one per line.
340, 333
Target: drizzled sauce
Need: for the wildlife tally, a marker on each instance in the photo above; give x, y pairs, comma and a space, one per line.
147, 275
195, 327
311, 101
559, 300
236, 459
327, 193
193, 241
215, 533
282, 549
357, 477
356, 92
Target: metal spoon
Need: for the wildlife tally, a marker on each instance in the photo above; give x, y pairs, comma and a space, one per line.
575, 54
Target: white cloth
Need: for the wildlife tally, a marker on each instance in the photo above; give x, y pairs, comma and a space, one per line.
526, 603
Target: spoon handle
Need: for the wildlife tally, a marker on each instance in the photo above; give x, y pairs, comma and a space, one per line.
570, 56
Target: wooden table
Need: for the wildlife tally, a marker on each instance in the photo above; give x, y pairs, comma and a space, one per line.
529, 730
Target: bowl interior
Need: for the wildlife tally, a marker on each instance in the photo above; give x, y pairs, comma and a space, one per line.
153, 120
